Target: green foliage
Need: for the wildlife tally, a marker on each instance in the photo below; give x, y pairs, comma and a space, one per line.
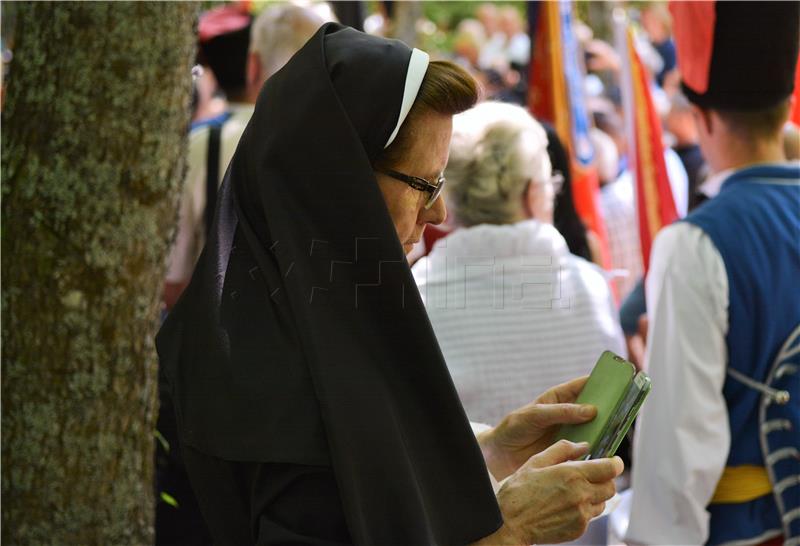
447, 15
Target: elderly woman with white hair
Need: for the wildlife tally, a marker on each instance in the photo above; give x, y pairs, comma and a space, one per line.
512, 309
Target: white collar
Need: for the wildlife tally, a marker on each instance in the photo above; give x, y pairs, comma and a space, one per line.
528, 237
710, 188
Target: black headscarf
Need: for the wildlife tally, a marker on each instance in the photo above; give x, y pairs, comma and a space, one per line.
302, 337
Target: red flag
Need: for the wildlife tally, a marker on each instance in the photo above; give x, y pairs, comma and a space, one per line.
556, 96
654, 201
794, 117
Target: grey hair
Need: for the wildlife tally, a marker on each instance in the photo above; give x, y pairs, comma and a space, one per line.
497, 149
279, 32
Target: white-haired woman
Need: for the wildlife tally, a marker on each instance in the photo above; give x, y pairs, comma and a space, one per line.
512, 309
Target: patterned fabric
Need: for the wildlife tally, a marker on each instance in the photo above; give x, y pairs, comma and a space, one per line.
617, 204
515, 313
619, 211
780, 446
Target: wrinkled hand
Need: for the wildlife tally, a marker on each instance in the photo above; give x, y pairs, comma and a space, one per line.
552, 498
530, 429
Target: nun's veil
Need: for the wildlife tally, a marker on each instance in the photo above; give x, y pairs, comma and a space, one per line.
302, 337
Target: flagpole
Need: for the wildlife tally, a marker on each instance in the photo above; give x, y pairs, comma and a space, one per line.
620, 19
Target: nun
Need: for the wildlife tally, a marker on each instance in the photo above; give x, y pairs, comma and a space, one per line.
312, 400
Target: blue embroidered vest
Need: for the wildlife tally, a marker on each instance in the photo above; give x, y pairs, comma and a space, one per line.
754, 223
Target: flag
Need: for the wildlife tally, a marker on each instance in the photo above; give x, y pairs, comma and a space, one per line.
655, 204
555, 95
794, 116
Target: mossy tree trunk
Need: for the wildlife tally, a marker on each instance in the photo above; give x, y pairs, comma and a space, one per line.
92, 161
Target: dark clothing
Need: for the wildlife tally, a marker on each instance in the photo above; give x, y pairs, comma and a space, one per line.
666, 50
180, 523
695, 164
632, 308
350, 13
302, 338
565, 217
267, 503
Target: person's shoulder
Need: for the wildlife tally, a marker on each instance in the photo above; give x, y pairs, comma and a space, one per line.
682, 248
587, 276
670, 238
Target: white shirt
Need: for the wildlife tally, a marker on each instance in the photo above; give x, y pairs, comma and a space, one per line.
682, 438
678, 181
492, 54
519, 48
514, 313
711, 186
191, 234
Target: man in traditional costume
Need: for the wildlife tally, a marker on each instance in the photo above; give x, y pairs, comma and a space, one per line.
716, 457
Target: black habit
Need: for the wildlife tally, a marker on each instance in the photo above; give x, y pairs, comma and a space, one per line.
301, 344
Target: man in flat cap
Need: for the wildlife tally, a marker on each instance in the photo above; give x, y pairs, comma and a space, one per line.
716, 453
242, 53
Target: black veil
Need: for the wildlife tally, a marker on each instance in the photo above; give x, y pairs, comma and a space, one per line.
301, 337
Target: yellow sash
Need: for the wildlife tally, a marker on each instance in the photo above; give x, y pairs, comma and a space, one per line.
741, 484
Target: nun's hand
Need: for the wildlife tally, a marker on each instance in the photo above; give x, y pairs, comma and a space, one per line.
552, 497
531, 429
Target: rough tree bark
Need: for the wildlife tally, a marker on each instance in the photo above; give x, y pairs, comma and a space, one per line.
92, 159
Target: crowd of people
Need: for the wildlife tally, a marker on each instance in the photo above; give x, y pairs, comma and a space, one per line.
312, 385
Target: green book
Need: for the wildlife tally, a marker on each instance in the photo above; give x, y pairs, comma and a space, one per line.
618, 391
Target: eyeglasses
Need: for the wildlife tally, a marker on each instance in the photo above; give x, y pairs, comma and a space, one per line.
419, 184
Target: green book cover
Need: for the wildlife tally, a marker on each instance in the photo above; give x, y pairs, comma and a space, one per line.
618, 392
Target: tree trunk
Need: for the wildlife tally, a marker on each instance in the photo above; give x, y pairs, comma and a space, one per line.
96, 111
